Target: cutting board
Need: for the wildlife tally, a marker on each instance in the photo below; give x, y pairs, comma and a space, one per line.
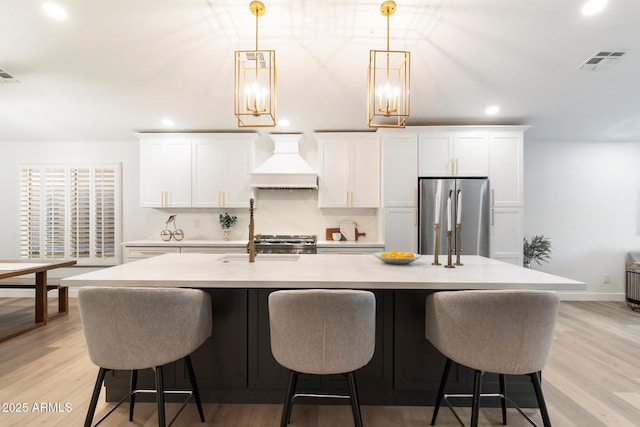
330, 231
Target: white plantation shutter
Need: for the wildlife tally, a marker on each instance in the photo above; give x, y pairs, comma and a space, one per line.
71, 213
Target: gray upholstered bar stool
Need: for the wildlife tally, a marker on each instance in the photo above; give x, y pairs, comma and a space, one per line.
322, 332
505, 332
141, 328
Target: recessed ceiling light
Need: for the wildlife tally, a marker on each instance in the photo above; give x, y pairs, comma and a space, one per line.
593, 6
283, 122
55, 11
168, 122
491, 110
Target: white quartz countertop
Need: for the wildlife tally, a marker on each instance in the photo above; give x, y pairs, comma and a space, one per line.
205, 243
319, 271
169, 243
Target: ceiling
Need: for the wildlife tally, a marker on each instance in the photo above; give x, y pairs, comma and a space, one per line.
116, 67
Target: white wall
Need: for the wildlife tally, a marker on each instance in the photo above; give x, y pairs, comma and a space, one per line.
586, 198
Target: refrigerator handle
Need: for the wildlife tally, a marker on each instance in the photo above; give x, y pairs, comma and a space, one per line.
493, 215
493, 197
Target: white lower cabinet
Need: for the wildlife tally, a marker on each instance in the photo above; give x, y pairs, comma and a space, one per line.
134, 253
214, 250
506, 234
351, 250
401, 229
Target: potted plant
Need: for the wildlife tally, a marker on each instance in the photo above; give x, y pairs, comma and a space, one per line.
226, 222
538, 250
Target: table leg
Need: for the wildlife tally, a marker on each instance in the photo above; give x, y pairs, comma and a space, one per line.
41, 298
63, 300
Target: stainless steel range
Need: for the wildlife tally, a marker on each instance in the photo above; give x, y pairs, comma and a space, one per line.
282, 244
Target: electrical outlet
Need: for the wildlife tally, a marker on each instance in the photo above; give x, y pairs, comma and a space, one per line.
605, 279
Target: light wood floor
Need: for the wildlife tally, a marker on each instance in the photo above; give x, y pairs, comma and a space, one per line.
592, 379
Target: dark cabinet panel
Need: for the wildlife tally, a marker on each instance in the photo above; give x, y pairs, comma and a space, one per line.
418, 365
236, 365
220, 363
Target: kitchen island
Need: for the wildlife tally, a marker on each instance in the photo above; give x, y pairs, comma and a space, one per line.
235, 364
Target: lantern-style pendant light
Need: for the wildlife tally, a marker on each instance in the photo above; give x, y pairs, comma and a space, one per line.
388, 82
255, 82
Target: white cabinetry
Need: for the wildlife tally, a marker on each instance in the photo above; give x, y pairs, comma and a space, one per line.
401, 229
453, 153
506, 165
400, 190
507, 234
457, 151
221, 168
135, 251
399, 169
349, 172
195, 170
165, 171
342, 248
507, 202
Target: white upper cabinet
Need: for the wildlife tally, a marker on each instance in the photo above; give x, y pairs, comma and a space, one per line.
400, 169
195, 170
221, 168
456, 153
506, 175
165, 171
349, 170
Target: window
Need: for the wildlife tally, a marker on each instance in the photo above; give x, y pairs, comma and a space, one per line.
69, 212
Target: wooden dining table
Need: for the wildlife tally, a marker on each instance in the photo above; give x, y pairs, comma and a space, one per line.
15, 268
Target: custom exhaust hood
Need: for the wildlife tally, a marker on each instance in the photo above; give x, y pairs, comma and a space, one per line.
285, 169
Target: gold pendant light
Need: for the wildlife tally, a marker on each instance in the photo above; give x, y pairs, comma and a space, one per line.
255, 82
388, 82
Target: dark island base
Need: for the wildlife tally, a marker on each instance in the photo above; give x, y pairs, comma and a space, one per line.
235, 364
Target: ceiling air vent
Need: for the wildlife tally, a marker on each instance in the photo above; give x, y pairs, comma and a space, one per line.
6, 77
602, 60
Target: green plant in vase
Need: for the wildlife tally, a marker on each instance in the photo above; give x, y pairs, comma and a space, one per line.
538, 250
226, 223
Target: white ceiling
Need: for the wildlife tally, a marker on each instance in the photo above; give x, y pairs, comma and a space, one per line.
115, 67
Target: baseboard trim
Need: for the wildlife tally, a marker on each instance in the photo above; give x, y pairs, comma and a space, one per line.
592, 296
30, 293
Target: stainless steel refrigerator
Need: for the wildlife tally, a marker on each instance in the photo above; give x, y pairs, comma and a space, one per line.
471, 197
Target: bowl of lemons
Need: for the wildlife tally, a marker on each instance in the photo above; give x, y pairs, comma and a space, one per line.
397, 257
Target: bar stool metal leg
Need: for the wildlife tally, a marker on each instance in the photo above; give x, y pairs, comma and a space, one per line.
355, 403
288, 403
503, 399
194, 386
477, 389
535, 379
160, 396
132, 388
94, 397
443, 383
